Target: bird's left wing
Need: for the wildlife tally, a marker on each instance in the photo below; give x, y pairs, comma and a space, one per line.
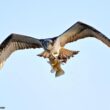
16, 42
79, 31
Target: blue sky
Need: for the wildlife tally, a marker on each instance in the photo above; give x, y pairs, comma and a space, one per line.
26, 82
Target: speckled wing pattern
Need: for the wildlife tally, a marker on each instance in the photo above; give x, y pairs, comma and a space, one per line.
79, 31
16, 42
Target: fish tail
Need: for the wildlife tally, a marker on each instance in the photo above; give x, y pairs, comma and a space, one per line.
59, 72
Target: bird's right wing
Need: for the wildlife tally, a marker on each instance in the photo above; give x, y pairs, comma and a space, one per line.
16, 42
79, 31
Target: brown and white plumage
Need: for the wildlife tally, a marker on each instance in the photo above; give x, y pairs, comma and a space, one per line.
76, 32
53, 47
16, 42
80, 31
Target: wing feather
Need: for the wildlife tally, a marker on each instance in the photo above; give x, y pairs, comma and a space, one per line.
16, 42
79, 31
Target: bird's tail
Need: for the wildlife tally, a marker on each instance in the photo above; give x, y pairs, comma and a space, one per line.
44, 54
66, 54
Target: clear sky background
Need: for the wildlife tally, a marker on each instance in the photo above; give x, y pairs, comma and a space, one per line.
26, 82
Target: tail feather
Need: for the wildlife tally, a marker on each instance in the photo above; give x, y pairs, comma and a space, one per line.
66, 54
44, 54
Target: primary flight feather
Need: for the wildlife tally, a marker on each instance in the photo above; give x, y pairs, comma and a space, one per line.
53, 47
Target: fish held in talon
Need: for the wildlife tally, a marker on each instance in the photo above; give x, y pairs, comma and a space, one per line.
56, 67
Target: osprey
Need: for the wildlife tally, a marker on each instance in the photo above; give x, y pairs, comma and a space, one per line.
53, 47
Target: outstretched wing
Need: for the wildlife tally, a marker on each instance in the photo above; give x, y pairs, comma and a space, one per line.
16, 42
80, 30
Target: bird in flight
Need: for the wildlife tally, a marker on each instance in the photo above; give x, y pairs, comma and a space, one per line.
53, 47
